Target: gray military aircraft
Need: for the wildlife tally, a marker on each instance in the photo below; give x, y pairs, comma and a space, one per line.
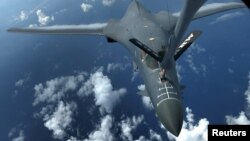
155, 41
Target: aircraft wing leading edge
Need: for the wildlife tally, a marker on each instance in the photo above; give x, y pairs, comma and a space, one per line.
215, 8
91, 29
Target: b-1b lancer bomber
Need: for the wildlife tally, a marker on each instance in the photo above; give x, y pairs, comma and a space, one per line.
155, 47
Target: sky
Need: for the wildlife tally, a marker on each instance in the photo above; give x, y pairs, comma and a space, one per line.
80, 88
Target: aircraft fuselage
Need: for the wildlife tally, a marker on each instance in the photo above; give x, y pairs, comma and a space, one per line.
164, 94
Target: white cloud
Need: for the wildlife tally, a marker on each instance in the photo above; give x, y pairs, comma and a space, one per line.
108, 2
103, 133
227, 17
193, 51
243, 117
145, 99
230, 70
141, 87
142, 138
60, 119
114, 66
147, 103
86, 89
17, 133
179, 69
203, 69
154, 136
191, 131
33, 25
12, 132
190, 116
20, 137
198, 49
128, 125
44, 111
23, 16
86, 7
43, 19
105, 96
191, 64
19, 83
247, 93
73, 139
56, 89
61, 11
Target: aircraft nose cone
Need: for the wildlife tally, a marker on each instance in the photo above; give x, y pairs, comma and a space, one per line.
170, 113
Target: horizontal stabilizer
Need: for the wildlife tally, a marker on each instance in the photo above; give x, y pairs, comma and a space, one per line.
92, 29
143, 93
186, 43
146, 49
215, 8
